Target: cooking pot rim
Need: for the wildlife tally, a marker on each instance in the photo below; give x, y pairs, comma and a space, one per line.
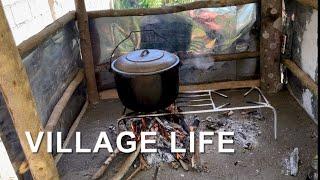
144, 73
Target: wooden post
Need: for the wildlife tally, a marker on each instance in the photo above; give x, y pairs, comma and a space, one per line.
270, 45
86, 50
15, 87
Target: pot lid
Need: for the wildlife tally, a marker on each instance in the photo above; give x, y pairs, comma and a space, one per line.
145, 61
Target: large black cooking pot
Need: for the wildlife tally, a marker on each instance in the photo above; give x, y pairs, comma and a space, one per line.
147, 80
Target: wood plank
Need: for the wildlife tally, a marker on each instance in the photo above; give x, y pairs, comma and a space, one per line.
16, 90
304, 78
86, 51
270, 45
168, 9
112, 93
63, 101
34, 41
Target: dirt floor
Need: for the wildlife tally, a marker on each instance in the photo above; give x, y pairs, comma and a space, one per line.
263, 161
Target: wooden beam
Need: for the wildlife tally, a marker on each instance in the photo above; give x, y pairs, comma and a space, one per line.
16, 90
311, 3
169, 9
213, 57
220, 57
86, 51
24, 165
304, 78
34, 41
112, 93
63, 101
270, 45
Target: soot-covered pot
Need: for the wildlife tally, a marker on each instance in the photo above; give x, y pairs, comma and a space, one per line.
147, 80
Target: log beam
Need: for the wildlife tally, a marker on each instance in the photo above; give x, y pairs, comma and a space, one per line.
270, 45
304, 78
34, 41
56, 114
220, 57
72, 130
112, 93
63, 101
213, 57
169, 9
16, 90
86, 51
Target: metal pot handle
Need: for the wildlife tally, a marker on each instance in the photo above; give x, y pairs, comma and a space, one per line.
142, 54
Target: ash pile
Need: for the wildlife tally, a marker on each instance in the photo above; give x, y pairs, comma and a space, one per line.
245, 133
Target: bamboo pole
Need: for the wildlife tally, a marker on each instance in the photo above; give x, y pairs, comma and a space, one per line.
63, 101
16, 90
304, 78
169, 9
86, 51
311, 3
34, 41
112, 93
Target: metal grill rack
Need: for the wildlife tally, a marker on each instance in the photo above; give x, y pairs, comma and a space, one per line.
202, 101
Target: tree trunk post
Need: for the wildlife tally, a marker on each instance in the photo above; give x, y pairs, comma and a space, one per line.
270, 45
86, 50
16, 90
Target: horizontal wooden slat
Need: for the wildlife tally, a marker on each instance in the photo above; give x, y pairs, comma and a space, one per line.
213, 57
304, 78
28, 45
167, 10
112, 93
220, 57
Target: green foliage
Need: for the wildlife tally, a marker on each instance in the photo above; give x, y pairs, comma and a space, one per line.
150, 3
125, 4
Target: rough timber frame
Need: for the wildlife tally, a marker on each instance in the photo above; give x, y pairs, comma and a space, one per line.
16, 88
